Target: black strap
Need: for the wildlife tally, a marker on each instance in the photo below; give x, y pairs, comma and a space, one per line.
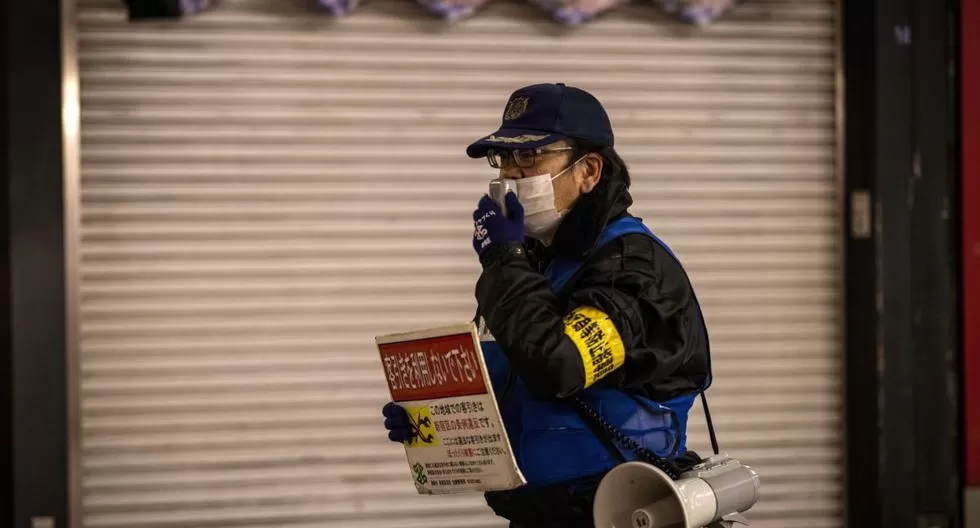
707, 419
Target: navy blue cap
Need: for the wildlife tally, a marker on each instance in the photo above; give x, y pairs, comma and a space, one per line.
540, 114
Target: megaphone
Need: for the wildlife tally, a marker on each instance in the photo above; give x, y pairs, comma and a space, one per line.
712, 494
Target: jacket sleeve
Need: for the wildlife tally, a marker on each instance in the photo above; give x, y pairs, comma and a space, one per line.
616, 327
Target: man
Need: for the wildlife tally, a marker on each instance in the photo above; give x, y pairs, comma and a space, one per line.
598, 344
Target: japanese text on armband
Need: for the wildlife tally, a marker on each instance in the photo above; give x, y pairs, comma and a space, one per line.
597, 340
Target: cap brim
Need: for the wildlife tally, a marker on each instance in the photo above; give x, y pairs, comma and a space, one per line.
510, 138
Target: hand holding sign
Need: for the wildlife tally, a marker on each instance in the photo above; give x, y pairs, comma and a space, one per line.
397, 423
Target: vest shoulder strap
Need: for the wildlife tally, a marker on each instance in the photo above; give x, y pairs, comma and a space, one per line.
561, 271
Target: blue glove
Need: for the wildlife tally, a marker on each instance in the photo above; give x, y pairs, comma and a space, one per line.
490, 227
397, 423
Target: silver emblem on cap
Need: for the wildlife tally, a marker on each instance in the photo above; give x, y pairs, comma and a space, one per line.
515, 108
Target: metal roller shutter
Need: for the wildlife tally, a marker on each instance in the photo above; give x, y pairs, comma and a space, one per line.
264, 189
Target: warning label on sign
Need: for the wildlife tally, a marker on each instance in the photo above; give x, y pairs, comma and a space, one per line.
422, 424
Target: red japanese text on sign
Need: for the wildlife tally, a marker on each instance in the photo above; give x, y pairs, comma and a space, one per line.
440, 367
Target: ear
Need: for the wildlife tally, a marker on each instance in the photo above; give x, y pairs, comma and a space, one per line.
591, 167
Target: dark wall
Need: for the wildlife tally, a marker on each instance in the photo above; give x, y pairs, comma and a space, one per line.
970, 90
33, 416
6, 391
902, 317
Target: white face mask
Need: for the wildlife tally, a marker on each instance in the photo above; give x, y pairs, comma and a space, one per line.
537, 196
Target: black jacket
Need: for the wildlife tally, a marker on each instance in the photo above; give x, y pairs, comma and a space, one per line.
633, 280
646, 294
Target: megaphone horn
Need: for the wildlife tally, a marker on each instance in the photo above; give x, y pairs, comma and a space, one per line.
638, 495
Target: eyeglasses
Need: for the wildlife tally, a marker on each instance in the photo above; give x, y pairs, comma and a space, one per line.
523, 158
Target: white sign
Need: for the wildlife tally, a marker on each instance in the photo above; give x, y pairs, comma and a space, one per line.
440, 377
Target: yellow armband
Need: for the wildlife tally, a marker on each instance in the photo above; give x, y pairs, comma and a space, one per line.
597, 340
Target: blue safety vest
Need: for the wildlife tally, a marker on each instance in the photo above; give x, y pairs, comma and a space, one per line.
551, 441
